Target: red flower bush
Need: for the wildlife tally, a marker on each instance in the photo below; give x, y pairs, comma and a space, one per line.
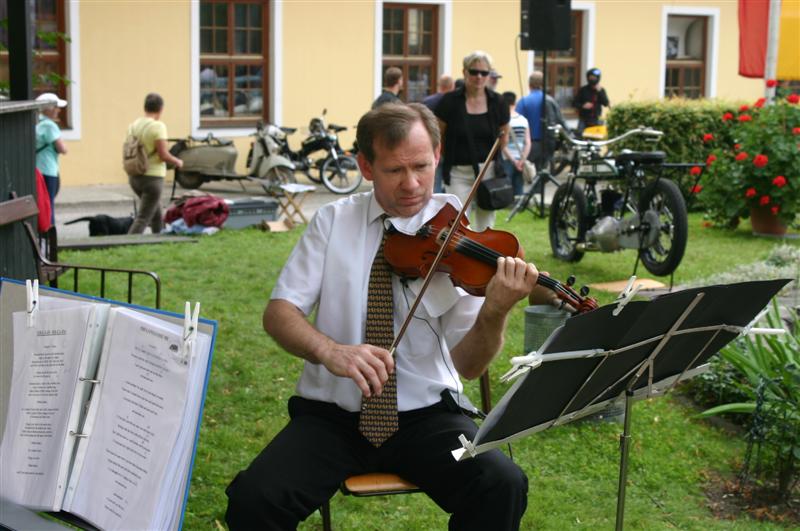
771, 83
743, 108
695, 171
775, 210
696, 189
708, 137
768, 136
727, 116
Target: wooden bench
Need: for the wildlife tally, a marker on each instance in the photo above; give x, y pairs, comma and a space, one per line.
19, 209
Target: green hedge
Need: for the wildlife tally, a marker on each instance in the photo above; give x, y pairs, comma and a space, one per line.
684, 123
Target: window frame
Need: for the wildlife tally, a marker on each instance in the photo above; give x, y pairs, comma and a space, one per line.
712, 49
682, 66
405, 61
231, 61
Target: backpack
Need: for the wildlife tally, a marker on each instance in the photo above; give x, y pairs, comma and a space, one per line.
134, 153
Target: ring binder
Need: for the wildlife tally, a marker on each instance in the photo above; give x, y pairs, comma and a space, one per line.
88, 380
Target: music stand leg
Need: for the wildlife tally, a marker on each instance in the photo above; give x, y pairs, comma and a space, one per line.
624, 441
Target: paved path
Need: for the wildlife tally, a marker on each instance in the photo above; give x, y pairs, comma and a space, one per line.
117, 200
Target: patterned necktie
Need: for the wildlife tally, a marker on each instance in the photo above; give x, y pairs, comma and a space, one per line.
378, 420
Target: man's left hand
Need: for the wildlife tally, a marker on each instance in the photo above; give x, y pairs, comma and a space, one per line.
513, 281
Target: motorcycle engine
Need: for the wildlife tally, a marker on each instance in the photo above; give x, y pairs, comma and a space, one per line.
612, 234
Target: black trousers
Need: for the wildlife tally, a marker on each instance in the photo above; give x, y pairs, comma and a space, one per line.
306, 462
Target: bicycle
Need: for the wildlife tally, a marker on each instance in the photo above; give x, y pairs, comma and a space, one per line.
636, 208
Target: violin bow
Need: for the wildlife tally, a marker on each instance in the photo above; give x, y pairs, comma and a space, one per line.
445, 243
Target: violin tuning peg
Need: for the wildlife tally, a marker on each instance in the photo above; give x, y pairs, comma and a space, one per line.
584, 291
570, 280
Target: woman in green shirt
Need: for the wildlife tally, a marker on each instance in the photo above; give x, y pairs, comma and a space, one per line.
49, 145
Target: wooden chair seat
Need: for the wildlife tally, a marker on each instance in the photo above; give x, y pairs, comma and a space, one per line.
377, 484
384, 483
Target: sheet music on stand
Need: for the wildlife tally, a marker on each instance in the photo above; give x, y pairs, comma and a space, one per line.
647, 348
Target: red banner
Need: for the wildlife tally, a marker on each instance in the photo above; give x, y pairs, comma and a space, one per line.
753, 25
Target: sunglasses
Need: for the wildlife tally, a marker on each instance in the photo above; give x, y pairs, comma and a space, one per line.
476, 72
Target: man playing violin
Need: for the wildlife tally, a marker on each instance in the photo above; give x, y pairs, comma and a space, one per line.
452, 332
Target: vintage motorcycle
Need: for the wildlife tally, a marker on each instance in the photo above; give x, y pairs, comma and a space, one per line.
338, 170
213, 158
619, 201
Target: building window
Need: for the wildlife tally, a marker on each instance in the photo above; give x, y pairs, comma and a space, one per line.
685, 56
564, 68
233, 62
49, 50
410, 41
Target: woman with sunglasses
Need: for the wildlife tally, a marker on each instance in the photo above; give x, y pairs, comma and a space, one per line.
471, 118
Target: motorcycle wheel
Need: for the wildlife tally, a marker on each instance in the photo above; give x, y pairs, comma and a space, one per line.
189, 179
280, 175
341, 175
568, 220
664, 198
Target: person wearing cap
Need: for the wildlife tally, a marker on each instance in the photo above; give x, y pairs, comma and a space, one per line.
493, 78
49, 145
590, 100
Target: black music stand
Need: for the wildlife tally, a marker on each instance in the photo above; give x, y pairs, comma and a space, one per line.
639, 348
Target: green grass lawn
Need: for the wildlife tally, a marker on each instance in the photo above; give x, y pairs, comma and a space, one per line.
572, 469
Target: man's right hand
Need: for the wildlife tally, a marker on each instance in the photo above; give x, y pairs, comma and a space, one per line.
367, 365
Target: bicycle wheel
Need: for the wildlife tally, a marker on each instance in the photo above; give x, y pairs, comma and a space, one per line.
664, 198
341, 175
567, 224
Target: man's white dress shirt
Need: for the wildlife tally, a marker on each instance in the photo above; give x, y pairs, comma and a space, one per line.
329, 270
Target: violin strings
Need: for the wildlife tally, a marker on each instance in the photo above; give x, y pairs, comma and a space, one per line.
489, 255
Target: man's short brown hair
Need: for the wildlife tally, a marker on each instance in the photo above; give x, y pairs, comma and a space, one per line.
390, 124
392, 76
535, 80
153, 103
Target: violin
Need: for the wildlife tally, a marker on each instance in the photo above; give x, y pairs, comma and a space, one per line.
470, 258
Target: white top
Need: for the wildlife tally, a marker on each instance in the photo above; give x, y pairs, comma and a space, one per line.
334, 279
519, 130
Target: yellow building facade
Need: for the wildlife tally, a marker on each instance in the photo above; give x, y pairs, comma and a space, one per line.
331, 55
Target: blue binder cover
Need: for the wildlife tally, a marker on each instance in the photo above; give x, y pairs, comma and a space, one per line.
13, 299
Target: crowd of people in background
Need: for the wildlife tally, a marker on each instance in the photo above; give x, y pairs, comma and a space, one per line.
472, 113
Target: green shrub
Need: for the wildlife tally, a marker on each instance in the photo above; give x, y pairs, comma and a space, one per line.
684, 123
769, 367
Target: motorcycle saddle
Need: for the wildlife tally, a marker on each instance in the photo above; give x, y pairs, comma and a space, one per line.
641, 157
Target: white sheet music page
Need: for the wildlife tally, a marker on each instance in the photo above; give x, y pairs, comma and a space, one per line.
133, 422
36, 449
